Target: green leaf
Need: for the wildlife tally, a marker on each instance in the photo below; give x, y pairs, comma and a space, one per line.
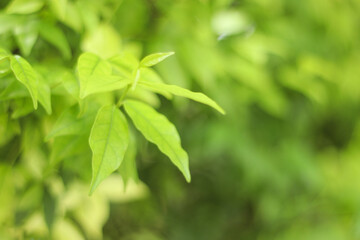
14, 90
56, 37
103, 41
69, 124
124, 64
59, 8
49, 203
108, 140
154, 59
22, 107
149, 75
71, 84
128, 168
26, 75
67, 146
159, 130
26, 36
101, 83
24, 6
95, 76
182, 92
44, 95
9, 22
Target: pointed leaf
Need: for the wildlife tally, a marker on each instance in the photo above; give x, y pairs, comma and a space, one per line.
154, 59
95, 76
26, 75
108, 140
159, 130
98, 84
182, 92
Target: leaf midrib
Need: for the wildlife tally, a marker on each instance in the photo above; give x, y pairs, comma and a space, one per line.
107, 141
91, 73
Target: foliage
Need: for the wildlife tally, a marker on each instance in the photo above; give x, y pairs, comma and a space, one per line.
282, 164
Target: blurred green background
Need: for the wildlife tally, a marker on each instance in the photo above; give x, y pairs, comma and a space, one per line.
283, 163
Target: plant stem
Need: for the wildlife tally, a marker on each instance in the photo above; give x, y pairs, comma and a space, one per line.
118, 104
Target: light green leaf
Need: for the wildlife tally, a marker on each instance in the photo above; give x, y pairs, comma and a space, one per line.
159, 130
108, 140
26, 75
59, 8
14, 90
69, 124
9, 22
71, 84
56, 37
22, 107
88, 65
182, 92
67, 146
26, 36
24, 6
124, 64
44, 95
95, 76
103, 41
128, 168
101, 83
149, 75
154, 59
3, 54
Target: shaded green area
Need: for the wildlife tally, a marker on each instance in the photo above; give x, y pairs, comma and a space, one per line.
283, 163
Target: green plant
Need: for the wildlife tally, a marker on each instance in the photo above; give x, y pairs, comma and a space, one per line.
57, 112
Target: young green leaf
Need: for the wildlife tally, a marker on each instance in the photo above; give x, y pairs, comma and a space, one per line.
108, 140
154, 59
159, 130
95, 76
24, 6
182, 92
100, 83
26, 75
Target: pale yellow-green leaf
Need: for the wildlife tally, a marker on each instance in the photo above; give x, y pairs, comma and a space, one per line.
159, 130
26, 75
88, 65
154, 59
